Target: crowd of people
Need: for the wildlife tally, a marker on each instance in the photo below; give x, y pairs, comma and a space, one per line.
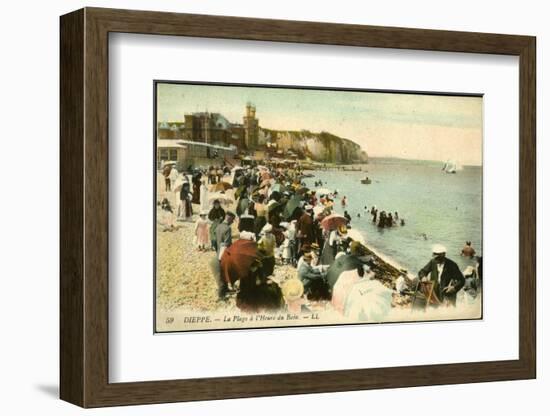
279, 221
256, 218
385, 219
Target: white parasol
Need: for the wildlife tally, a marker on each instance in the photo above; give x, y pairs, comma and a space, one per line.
356, 236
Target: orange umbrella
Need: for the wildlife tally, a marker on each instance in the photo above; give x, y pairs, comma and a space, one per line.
221, 187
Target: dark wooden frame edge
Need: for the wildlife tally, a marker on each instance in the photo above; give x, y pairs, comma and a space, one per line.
84, 207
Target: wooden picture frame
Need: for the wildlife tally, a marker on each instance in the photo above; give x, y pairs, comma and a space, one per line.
84, 207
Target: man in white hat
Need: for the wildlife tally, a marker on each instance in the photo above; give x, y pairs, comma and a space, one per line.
444, 274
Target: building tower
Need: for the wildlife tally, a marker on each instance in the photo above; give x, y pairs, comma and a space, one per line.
251, 127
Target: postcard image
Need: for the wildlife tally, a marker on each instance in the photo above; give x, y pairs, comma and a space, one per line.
291, 206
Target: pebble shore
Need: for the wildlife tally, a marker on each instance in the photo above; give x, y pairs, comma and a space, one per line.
185, 276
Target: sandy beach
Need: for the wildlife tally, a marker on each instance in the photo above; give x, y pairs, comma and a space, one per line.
185, 278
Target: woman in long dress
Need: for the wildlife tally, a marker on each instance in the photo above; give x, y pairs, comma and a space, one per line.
204, 196
330, 248
196, 188
173, 177
261, 215
186, 209
216, 216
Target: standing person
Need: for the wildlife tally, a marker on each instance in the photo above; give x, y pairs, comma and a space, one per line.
289, 245
344, 201
223, 240
389, 220
468, 250
223, 233
196, 188
382, 219
212, 175
443, 274
304, 227
173, 176
313, 199
201, 231
243, 204
246, 223
166, 173
216, 216
266, 246
348, 217
203, 195
261, 214
186, 209
329, 248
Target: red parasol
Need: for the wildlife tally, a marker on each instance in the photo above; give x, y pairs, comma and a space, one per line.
333, 221
237, 260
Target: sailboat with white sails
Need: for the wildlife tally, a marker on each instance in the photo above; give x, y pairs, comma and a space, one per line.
451, 166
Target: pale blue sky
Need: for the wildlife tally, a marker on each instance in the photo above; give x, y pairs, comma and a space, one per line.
411, 126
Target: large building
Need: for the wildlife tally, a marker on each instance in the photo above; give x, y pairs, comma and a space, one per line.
251, 127
210, 128
170, 130
215, 129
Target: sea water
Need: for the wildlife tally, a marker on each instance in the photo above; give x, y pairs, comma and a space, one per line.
437, 207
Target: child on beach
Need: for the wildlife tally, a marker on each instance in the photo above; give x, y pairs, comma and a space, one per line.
167, 217
201, 231
293, 289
